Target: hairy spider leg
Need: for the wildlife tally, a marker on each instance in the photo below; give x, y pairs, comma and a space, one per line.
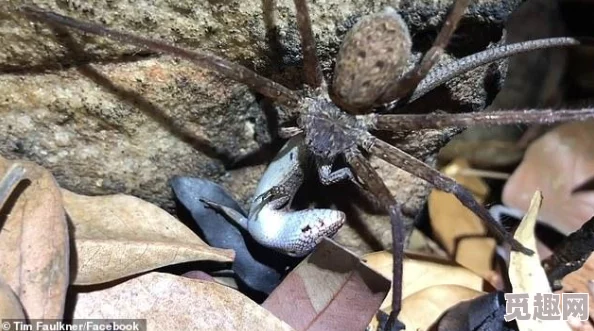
412, 165
410, 122
443, 73
311, 64
411, 79
239, 73
376, 186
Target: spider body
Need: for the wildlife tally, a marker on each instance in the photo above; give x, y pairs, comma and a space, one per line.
374, 53
329, 131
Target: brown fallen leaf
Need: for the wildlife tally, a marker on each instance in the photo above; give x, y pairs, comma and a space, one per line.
556, 164
119, 235
526, 274
421, 272
330, 290
34, 249
170, 302
420, 243
423, 308
10, 306
460, 231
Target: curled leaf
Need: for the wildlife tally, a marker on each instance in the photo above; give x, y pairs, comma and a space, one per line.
119, 235
526, 273
34, 250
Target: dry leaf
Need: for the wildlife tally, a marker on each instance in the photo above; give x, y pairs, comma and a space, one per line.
555, 164
171, 302
526, 273
460, 230
120, 235
420, 272
10, 180
423, 308
420, 243
10, 306
330, 290
34, 248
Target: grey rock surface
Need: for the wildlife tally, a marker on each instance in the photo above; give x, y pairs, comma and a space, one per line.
109, 118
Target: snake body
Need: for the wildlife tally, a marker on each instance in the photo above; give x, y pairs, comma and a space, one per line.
271, 222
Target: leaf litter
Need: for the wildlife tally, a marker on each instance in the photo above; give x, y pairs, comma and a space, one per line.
556, 164
34, 247
119, 235
323, 289
526, 273
119, 241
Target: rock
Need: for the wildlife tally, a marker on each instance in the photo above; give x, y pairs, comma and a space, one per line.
107, 118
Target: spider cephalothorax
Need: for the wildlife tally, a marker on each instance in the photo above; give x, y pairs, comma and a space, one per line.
329, 131
370, 72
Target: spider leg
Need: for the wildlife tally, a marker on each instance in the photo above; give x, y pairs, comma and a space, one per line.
376, 186
406, 122
442, 74
329, 177
269, 13
279, 194
263, 85
411, 79
313, 72
289, 131
441, 182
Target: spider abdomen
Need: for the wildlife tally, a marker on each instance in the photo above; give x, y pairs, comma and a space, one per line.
373, 54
